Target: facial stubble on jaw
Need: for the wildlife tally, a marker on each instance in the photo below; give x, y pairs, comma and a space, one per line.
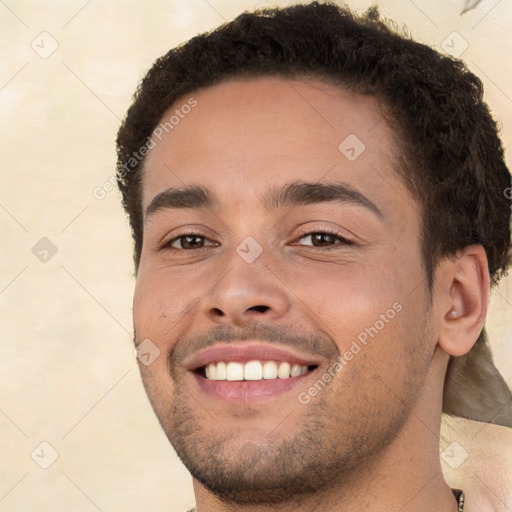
282, 467
298, 456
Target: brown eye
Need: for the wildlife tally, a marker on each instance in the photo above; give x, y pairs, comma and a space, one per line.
321, 239
189, 242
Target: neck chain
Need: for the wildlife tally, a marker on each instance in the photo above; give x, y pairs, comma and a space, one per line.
459, 496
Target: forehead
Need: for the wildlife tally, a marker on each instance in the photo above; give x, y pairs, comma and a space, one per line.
242, 137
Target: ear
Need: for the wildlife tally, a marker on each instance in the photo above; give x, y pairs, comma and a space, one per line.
463, 285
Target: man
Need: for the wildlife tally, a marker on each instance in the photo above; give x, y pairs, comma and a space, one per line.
318, 208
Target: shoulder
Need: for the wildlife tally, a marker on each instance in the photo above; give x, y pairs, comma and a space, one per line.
477, 457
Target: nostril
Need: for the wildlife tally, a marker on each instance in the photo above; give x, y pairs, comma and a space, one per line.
218, 312
260, 309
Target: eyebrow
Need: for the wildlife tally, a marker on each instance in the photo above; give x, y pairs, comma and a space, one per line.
193, 196
304, 193
291, 194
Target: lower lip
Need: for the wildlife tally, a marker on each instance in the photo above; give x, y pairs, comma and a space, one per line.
247, 391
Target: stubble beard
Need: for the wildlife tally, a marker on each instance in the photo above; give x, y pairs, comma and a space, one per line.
337, 436
284, 467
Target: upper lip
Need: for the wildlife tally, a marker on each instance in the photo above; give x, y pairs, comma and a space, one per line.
247, 351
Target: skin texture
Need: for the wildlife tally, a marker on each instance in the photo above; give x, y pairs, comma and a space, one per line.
369, 439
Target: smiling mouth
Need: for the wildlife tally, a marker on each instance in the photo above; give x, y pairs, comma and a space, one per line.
255, 370
250, 372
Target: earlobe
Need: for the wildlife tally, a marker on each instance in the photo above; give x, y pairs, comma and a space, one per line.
466, 290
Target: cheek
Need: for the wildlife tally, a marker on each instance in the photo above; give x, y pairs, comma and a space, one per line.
346, 298
374, 311
161, 301
157, 310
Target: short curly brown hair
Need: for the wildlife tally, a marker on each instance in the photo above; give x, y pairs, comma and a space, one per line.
449, 152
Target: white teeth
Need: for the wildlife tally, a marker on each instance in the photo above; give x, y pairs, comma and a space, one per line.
211, 371
270, 370
221, 371
235, 371
284, 370
295, 371
253, 370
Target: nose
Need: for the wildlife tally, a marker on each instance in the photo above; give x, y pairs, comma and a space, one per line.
245, 292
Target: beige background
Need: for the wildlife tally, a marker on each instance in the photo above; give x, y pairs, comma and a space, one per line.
68, 374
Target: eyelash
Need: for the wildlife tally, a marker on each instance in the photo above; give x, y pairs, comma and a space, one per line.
342, 240
168, 245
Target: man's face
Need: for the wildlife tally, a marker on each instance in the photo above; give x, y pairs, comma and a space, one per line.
280, 268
